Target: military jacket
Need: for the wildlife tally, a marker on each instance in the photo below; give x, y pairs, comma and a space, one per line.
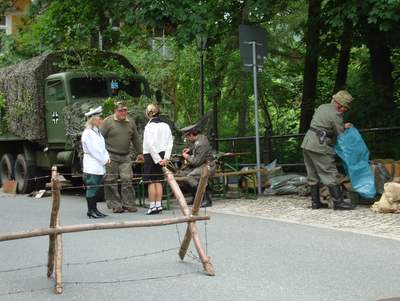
326, 118
118, 135
200, 152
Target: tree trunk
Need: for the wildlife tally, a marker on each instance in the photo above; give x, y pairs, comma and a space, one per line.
311, 64
381, 67
243, 112
344, 56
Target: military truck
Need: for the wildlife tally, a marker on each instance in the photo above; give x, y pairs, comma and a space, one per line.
36, 96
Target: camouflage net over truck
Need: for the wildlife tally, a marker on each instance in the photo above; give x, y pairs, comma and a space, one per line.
22, 85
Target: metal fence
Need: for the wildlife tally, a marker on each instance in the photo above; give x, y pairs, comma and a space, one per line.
383, 143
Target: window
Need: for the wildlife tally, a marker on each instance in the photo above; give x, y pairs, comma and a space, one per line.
89, 88
55, 90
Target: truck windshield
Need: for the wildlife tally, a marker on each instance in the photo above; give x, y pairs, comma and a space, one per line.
89, 87
103, 87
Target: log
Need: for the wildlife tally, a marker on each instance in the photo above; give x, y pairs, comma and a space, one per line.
55, 190
177, 191
101, 226
191, 225
195, 210
58, 288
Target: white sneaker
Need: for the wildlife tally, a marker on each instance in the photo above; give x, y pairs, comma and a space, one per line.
152, 210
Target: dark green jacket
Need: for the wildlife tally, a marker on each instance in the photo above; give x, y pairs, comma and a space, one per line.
119, 134
327, 118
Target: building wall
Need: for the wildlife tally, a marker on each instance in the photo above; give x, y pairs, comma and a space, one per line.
13, 17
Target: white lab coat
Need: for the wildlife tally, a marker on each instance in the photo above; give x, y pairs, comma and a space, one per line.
157, 138
95, 154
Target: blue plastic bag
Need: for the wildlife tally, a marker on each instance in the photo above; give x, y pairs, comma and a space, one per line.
353, 151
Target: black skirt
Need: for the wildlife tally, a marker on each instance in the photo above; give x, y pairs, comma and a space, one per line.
152, 172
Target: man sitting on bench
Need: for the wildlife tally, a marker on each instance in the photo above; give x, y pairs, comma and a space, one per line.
196, 155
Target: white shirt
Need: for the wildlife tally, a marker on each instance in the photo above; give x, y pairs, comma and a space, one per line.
95, 154
157, 138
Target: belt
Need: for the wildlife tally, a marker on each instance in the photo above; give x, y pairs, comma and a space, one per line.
323, 133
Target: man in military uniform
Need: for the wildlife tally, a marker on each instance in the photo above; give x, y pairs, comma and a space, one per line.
197, 155
119, 130
319, 153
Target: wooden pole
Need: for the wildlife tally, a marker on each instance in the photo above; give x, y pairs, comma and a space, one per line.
55, 191
58, 288
191, 226
195, 210
101, 226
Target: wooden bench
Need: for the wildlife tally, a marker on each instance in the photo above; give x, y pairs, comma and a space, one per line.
247, 175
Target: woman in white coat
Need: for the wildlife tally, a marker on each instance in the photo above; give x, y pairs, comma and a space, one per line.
95, 158
157, 147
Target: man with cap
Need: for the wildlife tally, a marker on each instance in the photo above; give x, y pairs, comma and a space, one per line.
319, 153
197, 155
119, 131
95, 157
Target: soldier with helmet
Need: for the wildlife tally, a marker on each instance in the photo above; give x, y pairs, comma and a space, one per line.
319, 153
197, 155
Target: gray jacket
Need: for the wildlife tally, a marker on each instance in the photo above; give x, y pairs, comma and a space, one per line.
326, 118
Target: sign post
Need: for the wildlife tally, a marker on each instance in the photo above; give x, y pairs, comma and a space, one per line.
253, 59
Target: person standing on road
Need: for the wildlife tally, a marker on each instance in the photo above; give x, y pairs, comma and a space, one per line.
319, 153
197, 155
95, 157
157, 147
119, 130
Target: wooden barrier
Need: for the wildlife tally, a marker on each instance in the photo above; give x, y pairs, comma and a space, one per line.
55, 231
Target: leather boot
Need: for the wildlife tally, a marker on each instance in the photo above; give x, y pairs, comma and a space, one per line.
315, 199
95, 210
337, 198
192, 191
90, 213
207, 201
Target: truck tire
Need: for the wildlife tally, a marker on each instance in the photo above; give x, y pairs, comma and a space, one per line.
24, 174
7, 167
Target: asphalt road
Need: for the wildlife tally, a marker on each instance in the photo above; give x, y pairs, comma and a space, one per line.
254, 259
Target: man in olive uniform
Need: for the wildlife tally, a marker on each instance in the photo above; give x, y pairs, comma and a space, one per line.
197, 155
119, 131
319, 153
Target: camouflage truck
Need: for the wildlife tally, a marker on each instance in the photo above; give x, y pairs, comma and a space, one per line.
41, 109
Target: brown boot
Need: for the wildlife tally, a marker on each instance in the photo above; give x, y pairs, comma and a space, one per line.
130, 209
118, 210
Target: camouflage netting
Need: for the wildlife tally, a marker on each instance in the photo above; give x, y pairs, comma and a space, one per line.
23, 86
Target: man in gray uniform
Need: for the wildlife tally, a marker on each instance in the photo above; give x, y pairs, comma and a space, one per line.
197, 155
319, 153
119, 131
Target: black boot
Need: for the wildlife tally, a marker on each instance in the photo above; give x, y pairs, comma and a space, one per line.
95, 210
90, 213
337, 198
207, 201
192, 191
315, 200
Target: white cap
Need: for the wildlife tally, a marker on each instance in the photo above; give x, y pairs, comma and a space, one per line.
94, 112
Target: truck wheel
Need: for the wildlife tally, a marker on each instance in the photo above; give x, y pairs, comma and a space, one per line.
7, 167
24, 175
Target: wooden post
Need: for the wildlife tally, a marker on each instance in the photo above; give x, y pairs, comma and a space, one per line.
58, 288
208, 267
55, 240
101, 226
195, 210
